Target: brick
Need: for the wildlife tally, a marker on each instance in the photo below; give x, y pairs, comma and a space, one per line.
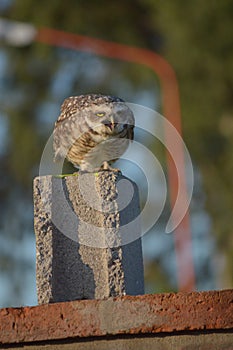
128, 315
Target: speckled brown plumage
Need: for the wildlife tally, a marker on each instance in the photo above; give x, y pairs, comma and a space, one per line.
93, 130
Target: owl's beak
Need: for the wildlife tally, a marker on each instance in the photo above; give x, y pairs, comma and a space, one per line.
110, 123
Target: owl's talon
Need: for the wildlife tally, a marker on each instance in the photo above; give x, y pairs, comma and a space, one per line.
114, 170
107, 167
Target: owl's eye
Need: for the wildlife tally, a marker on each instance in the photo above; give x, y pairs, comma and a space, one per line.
101, 114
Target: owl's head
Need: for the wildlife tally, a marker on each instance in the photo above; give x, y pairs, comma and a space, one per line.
109, 118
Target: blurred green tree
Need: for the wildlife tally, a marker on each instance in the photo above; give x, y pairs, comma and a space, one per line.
196, 38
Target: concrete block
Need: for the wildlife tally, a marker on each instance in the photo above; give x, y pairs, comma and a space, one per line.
88, 243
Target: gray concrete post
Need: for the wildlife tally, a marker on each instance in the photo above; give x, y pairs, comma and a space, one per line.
88, 243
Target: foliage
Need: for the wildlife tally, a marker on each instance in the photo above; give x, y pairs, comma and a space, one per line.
195, 37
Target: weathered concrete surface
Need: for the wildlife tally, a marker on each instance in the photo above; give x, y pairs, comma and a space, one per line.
128, 315
88, 242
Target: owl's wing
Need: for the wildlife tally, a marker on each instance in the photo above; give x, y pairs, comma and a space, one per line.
59, 150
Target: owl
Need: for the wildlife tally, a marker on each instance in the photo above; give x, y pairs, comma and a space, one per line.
92, 131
